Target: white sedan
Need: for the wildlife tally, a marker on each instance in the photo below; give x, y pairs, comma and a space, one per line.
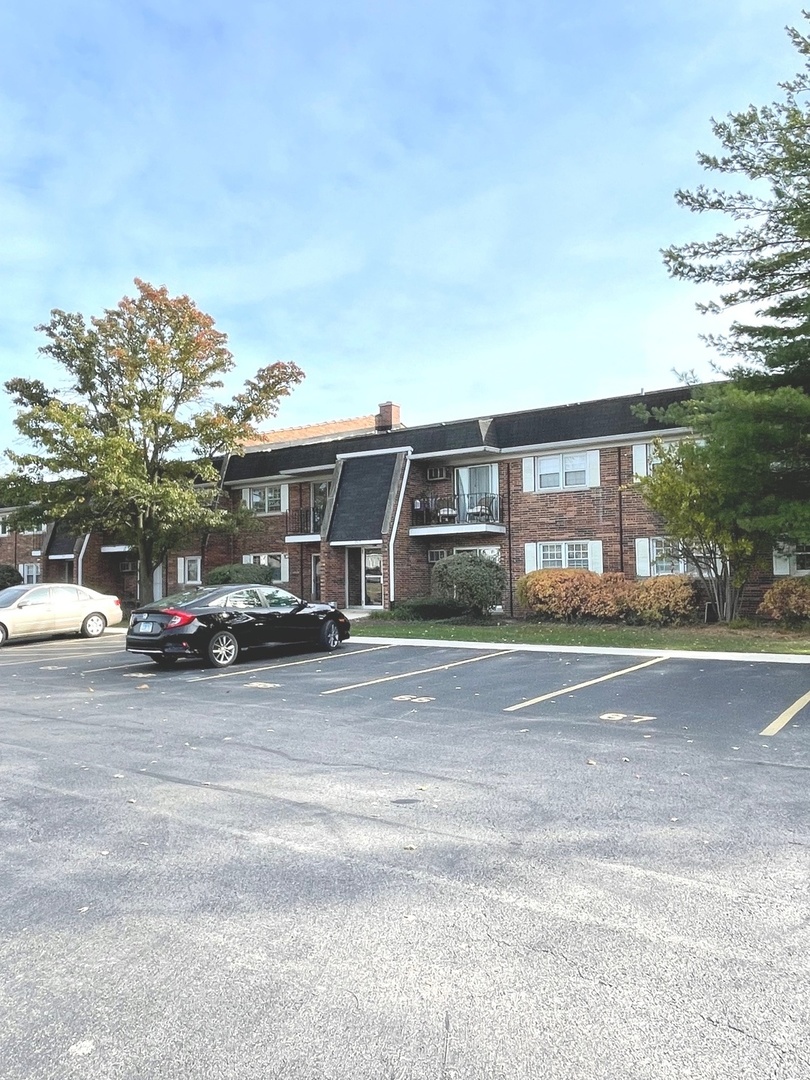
42, 610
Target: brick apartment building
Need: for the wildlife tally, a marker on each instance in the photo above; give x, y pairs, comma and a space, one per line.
357, 512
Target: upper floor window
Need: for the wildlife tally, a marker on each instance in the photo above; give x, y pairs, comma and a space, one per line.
266, 499
7, 530
561, 472
647, 455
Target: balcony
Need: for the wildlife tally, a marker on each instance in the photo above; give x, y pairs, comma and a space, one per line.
433, 515
304, 524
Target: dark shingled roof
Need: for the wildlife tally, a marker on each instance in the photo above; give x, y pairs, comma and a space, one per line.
362, 496
558, 423
63, 540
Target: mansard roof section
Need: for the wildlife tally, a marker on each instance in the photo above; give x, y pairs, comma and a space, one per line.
604, 418
428, 439
586, 420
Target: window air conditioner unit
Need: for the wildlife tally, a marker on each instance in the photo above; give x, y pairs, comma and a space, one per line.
438, 472
128, 567
436, 555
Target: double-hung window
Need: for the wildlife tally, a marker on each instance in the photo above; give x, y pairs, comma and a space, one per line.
564, 555
656, 557
189, 570
30, 573
792, 560
561, 472
266, 498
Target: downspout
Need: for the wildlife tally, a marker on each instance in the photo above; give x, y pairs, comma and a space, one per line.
509, 537
621, 508
395, 527
80, 560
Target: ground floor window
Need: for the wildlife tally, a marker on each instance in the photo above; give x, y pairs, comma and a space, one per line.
656, 557
493, 553
564, 555
278, 562
189, 570
30, 573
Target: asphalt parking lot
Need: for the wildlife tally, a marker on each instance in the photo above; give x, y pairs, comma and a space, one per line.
398, 862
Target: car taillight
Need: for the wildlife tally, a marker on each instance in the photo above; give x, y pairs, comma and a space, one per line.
178, 618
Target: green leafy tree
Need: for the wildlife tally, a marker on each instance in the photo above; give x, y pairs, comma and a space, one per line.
765, 262
688, 490
759, 423
134, 442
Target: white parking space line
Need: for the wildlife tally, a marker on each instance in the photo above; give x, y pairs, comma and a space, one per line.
45, 658
421, 671
785, 717
581, 686
292, 663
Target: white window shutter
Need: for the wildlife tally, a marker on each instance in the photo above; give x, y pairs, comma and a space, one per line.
595, 556
285, 499
640, 459
285, 568
642, 557
531, 557
528, 474
592, 476
181, 571
247, 559
781, 563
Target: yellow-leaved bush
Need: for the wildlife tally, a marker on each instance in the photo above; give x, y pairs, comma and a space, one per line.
569, 595
787, 600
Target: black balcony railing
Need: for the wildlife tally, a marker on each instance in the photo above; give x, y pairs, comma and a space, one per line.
305, 521
456, 510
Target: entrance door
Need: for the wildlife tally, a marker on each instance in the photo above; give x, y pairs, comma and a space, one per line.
372, 577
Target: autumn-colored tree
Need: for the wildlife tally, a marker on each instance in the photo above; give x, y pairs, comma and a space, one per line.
134, 442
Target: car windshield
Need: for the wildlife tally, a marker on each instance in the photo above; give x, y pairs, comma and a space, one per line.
12, 595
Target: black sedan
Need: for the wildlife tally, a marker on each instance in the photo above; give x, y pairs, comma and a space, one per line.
218, 622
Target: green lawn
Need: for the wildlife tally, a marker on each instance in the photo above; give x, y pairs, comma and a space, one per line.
712, 638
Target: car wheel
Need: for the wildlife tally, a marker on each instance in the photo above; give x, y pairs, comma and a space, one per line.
330, 635
223, 649
94, 625
3, 634
164, 661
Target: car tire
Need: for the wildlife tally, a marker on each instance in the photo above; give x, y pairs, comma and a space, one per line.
94, 625
3, 634
164, 661
223, 649
330, 635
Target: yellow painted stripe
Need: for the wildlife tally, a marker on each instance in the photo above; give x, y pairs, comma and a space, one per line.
421, 671
582, 685
784, 718
292, 663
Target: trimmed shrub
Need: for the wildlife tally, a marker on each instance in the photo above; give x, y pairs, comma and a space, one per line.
574, 594
474, 582
9, 575
787, 601
664, 601
240, 574
426, 607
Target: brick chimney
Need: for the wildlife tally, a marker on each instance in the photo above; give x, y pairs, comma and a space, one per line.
388, 417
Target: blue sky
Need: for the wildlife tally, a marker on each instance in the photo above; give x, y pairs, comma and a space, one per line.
457, 205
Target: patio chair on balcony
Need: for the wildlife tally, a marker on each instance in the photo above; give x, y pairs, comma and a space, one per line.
483, 510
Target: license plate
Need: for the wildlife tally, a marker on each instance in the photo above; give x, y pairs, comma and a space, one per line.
144, 628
